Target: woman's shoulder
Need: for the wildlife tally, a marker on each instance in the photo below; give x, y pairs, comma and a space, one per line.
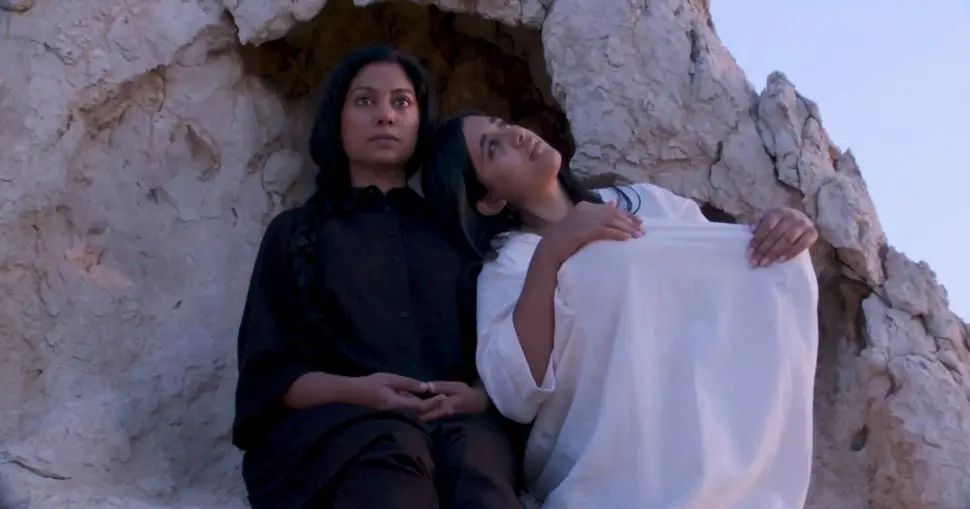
513, 254
640, 189
277, 239
650, 200
282, 226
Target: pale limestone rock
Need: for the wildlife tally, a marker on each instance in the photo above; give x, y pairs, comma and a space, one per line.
264, 20
16, 5
144, 149
791, 128
10, 497
281, 170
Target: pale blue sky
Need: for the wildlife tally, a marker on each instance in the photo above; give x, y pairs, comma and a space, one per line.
892, 79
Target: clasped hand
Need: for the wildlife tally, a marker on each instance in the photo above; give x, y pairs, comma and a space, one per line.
386, 391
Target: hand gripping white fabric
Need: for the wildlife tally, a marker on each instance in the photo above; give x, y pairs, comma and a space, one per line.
687, 376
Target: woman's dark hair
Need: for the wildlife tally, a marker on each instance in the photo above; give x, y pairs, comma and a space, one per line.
333, 168
452, 189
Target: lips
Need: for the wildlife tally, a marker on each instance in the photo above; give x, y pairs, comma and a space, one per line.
536, 148
384, 137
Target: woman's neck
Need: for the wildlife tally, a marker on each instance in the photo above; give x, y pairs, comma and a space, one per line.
546, 209
382, 177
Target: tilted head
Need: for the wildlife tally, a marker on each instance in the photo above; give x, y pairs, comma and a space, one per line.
483, 171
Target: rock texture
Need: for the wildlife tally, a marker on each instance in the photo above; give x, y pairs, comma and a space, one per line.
144, 146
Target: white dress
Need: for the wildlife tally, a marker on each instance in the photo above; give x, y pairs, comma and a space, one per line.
680, 377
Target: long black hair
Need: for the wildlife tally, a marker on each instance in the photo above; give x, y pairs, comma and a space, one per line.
451, 187
333, 183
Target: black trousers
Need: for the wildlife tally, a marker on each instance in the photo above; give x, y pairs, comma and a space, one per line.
464, 462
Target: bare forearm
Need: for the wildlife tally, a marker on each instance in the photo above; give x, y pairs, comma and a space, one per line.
534, 315
319, 388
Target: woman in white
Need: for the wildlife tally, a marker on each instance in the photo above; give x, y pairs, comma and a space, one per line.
558, 348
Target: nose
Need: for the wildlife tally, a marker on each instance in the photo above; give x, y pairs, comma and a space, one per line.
518, 137
385, 114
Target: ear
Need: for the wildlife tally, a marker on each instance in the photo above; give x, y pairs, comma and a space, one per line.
489, 205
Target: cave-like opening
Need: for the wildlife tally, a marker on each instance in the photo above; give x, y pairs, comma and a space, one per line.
476, 63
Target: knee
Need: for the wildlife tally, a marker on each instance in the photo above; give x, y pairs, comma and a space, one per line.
406, 436
475, 444
398, 446
476, 467
394, 469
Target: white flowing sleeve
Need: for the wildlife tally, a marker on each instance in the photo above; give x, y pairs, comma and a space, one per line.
501, 362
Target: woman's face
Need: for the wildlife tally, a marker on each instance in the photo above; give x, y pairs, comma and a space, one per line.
380, 117
513, 163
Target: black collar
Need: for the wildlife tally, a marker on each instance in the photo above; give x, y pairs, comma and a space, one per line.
369, 198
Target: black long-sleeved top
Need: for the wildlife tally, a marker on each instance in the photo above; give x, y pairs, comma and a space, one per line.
395, 296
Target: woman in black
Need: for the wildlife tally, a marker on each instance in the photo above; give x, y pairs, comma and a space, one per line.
357, 384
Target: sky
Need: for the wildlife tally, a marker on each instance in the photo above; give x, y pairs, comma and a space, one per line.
892, 80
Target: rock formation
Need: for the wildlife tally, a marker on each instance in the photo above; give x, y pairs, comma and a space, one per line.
145, 144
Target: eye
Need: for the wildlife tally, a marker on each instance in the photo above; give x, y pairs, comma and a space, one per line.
491, 147
363, 101
402, 102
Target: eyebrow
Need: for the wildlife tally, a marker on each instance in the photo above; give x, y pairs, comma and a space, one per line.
483, 139
395, 91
